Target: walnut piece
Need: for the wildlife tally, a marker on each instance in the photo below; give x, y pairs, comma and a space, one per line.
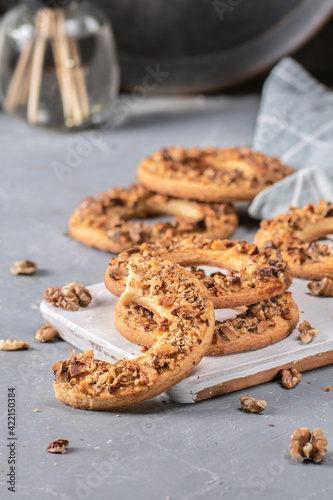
81, 292
45, 334
319, 442
58, 446
302, 447
323, 288
13, 345
23, 267
62, 297
290, 378
69, 297
307, 333
253, 405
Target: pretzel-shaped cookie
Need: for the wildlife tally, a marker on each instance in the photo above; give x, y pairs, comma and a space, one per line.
106, 222
294, 234
252, 276
170, 291
210, 174
261, 325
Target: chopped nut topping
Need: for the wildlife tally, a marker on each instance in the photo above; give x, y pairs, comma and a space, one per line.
290, 378
327, 389
45, 334
23, 267
13, 345
253, 405
113, 213
301, 446
58, 446
81, 292
307, 333
323, 288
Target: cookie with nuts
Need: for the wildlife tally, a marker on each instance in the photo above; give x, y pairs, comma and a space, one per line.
170, 291
106, 222
260, 325
295, 234
210, 174
252, 275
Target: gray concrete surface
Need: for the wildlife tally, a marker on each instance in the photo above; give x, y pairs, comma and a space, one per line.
156, 450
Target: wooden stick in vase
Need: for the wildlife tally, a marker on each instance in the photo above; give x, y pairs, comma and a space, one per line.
80, 80
61, 74
42, 35
66, 68
15, 89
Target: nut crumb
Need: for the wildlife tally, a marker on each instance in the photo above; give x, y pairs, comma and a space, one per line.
48, 428
13, 345
327, 389
26, 267
58, 446
303, 446
252, 405
45, 334
36, 411
307, 333
290, 378
271, 425
323, 288
117, 415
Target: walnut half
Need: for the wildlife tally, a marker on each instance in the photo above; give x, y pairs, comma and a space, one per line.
81, 292
13, 345
301, 446
307, 333
23, 267
69, 297
58, 446
323, 288
253, 405
290, 378
60, 297
45, 334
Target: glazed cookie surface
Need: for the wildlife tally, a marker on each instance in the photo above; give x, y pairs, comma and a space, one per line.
252, 275
171, 292
211, 174
294, 234
109, 221
259, 326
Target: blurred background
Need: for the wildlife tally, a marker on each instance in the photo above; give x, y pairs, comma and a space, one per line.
209, 45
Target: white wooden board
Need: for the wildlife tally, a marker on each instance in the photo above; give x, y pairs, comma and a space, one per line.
93, 328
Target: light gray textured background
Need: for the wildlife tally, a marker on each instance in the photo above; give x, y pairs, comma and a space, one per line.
156, 450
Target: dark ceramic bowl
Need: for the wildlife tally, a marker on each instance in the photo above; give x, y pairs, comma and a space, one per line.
206, 45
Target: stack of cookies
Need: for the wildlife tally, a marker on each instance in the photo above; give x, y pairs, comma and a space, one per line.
255, 281
163, 307
196, 186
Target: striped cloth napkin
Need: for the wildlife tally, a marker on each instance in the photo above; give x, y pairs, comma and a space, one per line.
295, 123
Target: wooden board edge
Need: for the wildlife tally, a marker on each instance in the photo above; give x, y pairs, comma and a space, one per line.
302, 365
